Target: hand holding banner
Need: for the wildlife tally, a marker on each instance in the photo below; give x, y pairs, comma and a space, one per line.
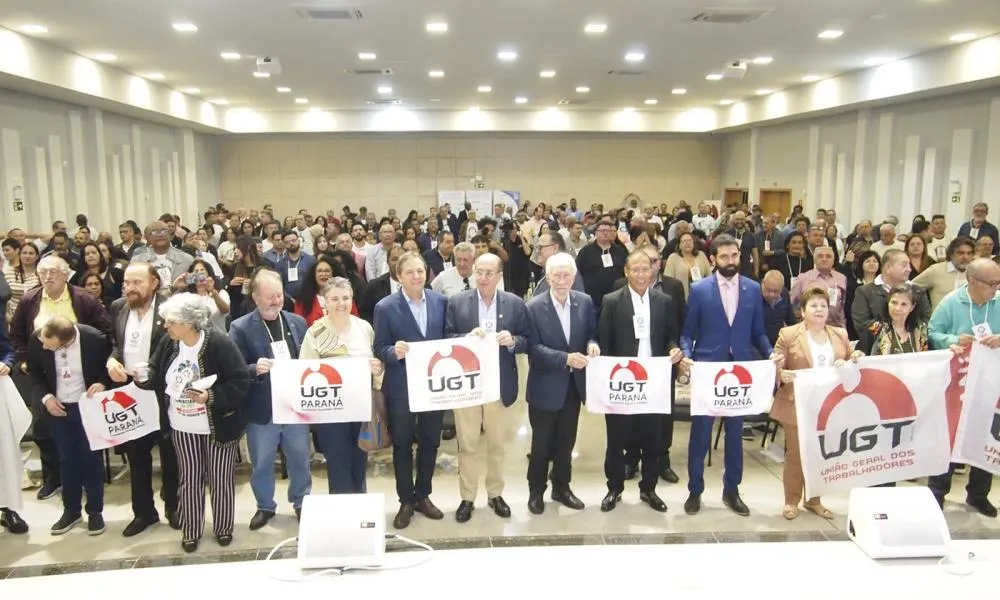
629, 386
332, 390
120, 415
453, 373
977, 439
732, 389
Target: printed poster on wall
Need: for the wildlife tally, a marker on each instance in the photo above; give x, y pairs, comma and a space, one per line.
453, 373
732, 389
629, 386
333, 390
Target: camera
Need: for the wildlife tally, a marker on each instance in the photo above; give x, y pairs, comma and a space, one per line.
192, 278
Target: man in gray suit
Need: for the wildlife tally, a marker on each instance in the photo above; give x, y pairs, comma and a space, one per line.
170, 263
487, 312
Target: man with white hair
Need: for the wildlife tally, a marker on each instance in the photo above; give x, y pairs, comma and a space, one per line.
887, 240
460, 278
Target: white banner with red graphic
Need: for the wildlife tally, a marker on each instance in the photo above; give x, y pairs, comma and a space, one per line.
453, 373
977, 439
880, 421
629, 386
120, 415
732, 389
332, 390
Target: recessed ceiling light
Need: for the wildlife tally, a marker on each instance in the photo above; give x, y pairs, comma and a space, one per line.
726, 102
507, 55
33, 29
830, 34
595, 28
635, 57
302, 100
435, 99
958, 37
764, 92
435, 74
190, 90
384, 89
547, 74
104, 57
521, 100
651, 101
582, 89
155, 76
283, 89
713, 76
678, 91
628, 109
261, 75
763, 60
219, 101
185, 27
876, 60
230, 55
437, 27
366, 56
811, 78
485, 89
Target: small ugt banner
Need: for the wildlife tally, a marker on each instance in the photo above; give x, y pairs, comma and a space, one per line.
879, 421
453, 373
120, 415
333, 390
732, 389
977, 439
629, 386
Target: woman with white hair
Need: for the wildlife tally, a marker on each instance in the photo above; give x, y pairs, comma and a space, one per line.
198, 372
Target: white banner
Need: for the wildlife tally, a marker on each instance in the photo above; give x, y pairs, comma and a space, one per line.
120, 415
334, 390
977, 440
15, 419
629, 386
879, 421
453, 373
732, 389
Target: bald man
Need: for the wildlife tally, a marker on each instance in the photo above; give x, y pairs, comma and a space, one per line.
778, 309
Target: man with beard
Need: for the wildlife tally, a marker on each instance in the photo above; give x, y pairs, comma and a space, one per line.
138, 329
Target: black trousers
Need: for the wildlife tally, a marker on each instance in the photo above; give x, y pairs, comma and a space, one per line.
553, 436
641, 433
403, 425
633, 450
47, 450
140, 460
979, 486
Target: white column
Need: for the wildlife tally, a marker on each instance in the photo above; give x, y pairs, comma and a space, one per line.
128, 184
860, 204
813, 193
188, 174
841, 188
117, 213
169, 204
931, 201
825, 199
176, 197
78, 162
991, 185
157, 207
37, 191
12, 182
753, 186
959, 178
883, 168
57, 185
911, 180
99, 206
141, 199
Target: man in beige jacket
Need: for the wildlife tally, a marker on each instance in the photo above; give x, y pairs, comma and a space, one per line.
942, 278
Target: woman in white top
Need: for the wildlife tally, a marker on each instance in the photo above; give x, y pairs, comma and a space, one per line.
341, 334
688, 264
21, 277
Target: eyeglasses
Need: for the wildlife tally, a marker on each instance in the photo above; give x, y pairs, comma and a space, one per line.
159, 231
49, 272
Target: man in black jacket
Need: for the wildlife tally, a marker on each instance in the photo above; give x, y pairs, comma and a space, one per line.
65, 361
380, 287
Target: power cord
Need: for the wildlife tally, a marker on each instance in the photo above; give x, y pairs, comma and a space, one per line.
958, 562
338, 571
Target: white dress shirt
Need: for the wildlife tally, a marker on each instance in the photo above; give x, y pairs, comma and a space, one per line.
640, 309
70, 384
138, 337
563, 311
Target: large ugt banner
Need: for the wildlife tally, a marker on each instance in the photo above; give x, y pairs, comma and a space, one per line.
881, 421
977, 437
453, 373
333, 390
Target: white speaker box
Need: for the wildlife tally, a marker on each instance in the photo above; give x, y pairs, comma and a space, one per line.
899, 522
342, 530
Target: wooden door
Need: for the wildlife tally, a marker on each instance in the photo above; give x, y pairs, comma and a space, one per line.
776, 201
734, 196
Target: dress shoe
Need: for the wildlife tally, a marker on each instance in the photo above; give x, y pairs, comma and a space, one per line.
95, 524
173, 519
567, 498
448, 433
12, 522
464, 512
536, 505
66, 522
735, 503
667, 474
499, 506
403, 517
630, 471
48, 490
427, 508
611, 500
654, 501
260, 518
137, 526
224, 540
189, 546
693, 504
984, 506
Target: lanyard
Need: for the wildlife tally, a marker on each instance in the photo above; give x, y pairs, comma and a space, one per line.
986, 316
281, 323
788, 261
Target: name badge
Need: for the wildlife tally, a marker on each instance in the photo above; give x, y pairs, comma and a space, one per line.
982, 331
939, 252
280, 350
176, 386
489, 326
695, 274
293, 274
607, 261
767, 245
834, 295
133, 341
641, 327
434, 244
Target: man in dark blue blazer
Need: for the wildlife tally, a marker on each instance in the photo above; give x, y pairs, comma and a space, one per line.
413, 314
725, 322
266, 334
562, 325
487, 311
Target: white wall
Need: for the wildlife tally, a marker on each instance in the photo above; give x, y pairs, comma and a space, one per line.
98, 163
897, 159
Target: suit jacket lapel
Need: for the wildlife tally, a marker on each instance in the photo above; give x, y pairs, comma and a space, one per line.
552, 317
717, 298
803, 343
627, 311
575, 329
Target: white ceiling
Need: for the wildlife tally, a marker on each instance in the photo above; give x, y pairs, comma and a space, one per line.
546, 34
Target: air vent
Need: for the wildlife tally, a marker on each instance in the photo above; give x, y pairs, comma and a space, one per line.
626, 73
319, 13
730, 16
368, 71
383, 102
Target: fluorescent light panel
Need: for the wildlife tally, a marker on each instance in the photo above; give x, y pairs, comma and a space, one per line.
547, 74
33, 28
595, 28
435, 74
437, 27
958, 37
635, 57
763, 60
830, 34
713, 76
582, 89
185, 27
484, 89
283, 89
507, 55
678, 91
366, 56
230, 55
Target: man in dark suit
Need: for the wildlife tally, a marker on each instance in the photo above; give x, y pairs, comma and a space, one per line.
65, 361
675, 290
413, 314
549, 244
725, 322
636, 320
487, 312
380, 287
561, 335
138, 329
870, 299
778, 310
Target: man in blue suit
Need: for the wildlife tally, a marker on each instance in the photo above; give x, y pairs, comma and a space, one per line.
562, 326
263, 336
725, 322
413, 314
487, 311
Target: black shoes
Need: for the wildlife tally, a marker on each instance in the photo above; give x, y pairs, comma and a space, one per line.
536, 504
499, 507
66, 522
12, 522
403, 517
610, 501
693, 504
224, 540
654, 501
734, 503
48, 489
631, 471
189, 546
567, 498
464, 512
448, 433
427, 508
667, 474
138, 525
983, 506
260, 518
95, 524
173, 519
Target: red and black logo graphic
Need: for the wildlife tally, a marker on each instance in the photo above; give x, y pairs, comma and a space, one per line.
639, 378
995, 427
896, 407
121, 413
468, 364
321, 388
732, 387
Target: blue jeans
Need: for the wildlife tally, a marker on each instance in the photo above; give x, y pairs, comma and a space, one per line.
263, 442
345, 461
81, 468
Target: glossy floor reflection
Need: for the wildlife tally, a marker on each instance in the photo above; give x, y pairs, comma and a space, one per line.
631, 522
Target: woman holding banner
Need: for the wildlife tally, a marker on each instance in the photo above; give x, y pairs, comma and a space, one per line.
806, 345
341, 334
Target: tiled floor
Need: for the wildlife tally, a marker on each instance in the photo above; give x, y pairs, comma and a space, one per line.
631, 522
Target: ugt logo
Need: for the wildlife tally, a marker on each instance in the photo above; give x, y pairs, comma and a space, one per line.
893, 400
995, 428
329, 385
127, 408
466, 359
639, 376
725, 388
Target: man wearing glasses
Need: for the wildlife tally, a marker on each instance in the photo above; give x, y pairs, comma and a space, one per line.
170, 263
601, 263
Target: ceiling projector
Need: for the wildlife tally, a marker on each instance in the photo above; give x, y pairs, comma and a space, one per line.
734, 70
269, 65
